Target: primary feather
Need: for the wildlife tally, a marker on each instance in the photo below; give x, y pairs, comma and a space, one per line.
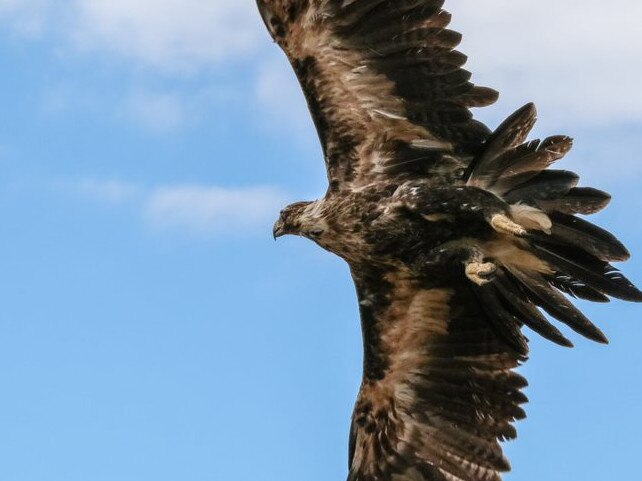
457, 237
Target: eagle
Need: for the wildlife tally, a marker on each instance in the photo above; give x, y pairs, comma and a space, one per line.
458, 238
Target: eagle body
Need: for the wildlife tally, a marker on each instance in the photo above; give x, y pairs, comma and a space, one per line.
379, 225
458, 238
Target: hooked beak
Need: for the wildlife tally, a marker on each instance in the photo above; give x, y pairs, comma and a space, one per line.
278, 230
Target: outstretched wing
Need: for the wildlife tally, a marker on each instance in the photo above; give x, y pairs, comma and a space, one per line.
385, 86
439, 389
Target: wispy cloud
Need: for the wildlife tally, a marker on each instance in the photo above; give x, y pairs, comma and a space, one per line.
157, 112
280, 96
576, 63
26, 17
213, 210
169, 34
172, 35
169, 54
574, 58
113, 192
202, 210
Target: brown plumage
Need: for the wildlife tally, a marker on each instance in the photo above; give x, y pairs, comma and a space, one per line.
457, 237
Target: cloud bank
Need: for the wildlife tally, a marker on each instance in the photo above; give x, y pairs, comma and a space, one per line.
25, 17
201, 210
213, 210
157, 112
168, 34
579, 60
112, 192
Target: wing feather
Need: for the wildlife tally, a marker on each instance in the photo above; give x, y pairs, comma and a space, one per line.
439, 391
381, 76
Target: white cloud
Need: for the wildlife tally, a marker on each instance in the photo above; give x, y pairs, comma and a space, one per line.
150, 109
213, 210
157, 112
26, 17
576, 58
176, 42
111, 192
170, 34
203, 210
283, 105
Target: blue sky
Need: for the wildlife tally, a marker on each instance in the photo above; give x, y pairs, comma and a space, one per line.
151, 329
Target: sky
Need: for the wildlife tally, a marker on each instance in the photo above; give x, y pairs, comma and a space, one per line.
152, 330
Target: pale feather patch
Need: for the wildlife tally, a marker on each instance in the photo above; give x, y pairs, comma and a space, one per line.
450, 477
531, 218
414, 317
346, 3
431, 144
510, 254
389, 115
378, 160
475, 469
498, 359
439, 217
314, 210
313, 217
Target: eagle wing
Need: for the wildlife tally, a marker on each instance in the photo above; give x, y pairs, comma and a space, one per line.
385, 87
439, 390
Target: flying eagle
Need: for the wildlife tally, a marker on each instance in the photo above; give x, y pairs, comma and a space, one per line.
457, 237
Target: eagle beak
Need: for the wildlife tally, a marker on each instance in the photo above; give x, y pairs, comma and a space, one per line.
279, 229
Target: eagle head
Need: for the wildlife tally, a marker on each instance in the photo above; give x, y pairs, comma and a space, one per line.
301, 218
